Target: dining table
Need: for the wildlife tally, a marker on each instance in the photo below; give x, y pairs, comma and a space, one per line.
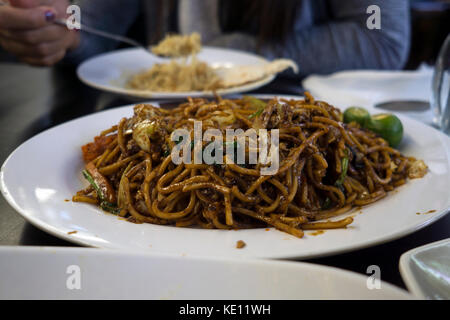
34, 99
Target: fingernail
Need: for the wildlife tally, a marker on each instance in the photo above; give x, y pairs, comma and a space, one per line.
49, 15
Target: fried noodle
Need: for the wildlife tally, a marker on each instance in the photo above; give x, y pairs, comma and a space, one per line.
326, 168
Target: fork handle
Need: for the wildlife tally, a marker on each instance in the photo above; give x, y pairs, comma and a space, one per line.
103, 34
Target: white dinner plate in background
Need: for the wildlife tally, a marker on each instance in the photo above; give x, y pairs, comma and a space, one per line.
110, 71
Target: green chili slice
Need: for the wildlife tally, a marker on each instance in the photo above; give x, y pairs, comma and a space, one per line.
105, 205
344, 164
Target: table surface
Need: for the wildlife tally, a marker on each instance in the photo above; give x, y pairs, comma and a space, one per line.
35, 99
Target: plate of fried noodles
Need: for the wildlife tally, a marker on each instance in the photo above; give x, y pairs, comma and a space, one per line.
133, 73
134, 177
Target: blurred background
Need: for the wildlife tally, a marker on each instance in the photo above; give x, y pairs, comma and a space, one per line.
430, 24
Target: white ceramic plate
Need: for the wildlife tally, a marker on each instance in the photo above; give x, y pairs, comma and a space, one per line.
43, 172
426, 270
110, 71
43, 273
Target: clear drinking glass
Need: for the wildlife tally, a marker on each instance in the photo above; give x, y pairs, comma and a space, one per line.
440, 98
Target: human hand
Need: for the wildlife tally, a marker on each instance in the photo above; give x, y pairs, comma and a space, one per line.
27, 31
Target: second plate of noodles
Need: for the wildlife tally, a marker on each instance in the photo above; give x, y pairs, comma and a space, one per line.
133, 73
325, 167
191, 74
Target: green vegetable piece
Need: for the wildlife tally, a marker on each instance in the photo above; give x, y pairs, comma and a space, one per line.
105, 205
91, 180
256, 104
256, 114
358, 115
344, 164
110, 207
387, 126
